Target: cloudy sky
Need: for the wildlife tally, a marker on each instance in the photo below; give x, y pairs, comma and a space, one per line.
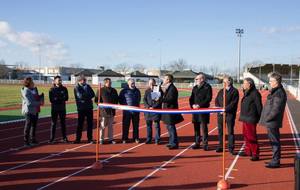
92, 33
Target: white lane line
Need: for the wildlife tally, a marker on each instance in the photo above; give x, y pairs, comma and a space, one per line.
46, 141
294, 130
105, 160
231, 167
161, 167
43, 158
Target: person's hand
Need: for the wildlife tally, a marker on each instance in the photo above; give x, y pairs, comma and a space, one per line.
195, 106
151, 108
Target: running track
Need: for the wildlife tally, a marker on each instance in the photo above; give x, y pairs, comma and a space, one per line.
138, 166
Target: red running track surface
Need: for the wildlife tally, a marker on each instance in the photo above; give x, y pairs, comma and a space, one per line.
137, 166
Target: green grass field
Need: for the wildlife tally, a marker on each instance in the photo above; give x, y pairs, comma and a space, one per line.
11, 96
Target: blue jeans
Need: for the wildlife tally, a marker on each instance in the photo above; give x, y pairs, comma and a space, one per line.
173, 139
149, 130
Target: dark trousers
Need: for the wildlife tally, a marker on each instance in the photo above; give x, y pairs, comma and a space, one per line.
173, 138
62, 117
274, 137
149, 130
197, 126
82, 114
135, 118
30, 127
230, 122
250, 137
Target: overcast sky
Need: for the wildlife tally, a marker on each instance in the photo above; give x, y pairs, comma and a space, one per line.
92, 33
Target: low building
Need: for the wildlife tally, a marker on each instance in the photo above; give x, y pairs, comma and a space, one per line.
140, 77
114, 76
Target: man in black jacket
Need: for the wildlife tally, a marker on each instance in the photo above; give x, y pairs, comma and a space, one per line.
200, 98
58, 96
272, 116
107, 95
83, 95
231, 102
251, 107
170, 101
152, 100
130, 96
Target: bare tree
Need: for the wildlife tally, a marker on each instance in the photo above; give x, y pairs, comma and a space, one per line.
178, 65
139, 67
4, 70
123, 68
214, 70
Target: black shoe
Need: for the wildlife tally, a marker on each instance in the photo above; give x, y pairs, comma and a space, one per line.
196, 146
254, 158
157, 142
91, 141
205, 148
51, 141
65, 140
173, 147
34, 142
148, 142
76, 142
112, 142
125, 141
232, 152
219, 150
273, 165
27, 144
168, 145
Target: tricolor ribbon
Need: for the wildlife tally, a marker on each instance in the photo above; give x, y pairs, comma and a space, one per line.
161, 111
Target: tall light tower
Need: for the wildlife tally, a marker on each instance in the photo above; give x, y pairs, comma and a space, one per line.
239, 32
160, 54
40, 61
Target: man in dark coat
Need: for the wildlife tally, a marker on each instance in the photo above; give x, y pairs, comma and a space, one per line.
83, 95
152, 100
200, 98
108, 94
251, 107
272, 116
58, 96
170, 101
130, 96
232, 100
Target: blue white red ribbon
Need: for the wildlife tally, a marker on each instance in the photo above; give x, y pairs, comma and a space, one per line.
161, 111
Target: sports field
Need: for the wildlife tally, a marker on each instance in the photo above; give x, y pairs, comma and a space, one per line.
10, 102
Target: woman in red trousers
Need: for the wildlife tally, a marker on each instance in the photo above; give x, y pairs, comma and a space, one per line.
251, 108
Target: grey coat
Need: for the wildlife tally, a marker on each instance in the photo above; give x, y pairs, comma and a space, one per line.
273, 111
29, 103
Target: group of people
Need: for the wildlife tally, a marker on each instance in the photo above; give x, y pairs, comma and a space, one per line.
164, 96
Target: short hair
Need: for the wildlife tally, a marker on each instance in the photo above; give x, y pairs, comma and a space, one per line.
57, 77
131, 79
107, 79
203, 75
170, 77
229, 78
27, 81
276, 76
250, 81
81, 77
153, 80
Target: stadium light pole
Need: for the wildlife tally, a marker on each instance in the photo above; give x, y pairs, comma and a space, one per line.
239, 32
40, 61
160, 55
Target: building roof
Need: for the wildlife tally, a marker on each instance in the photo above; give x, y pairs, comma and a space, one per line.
85, 72
109, 73
140, 74
189, 74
